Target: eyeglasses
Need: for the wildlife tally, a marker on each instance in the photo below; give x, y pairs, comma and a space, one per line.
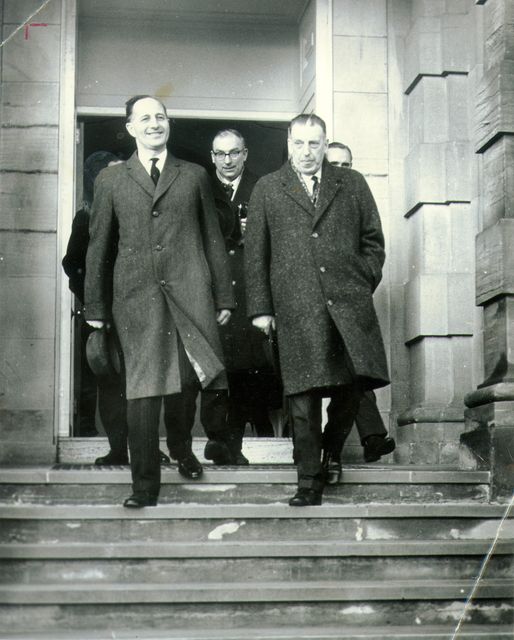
233, 155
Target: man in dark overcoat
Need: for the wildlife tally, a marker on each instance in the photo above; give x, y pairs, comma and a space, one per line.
156, 267
253, 386
314, 255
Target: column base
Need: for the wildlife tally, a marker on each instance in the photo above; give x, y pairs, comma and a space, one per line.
488, 444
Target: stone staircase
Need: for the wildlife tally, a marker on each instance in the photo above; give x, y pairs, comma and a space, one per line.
392, 553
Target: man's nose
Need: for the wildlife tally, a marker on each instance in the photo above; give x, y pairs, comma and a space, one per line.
228, 159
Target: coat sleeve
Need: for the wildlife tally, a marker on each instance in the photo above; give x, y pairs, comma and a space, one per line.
214, 247
259, 300
101, 253
74, 262
371, 236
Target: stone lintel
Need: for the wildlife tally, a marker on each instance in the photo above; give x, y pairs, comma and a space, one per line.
495, 261
488, 443
501, 392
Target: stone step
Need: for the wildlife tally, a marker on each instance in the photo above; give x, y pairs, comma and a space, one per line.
252, 474
251, 571
257, 549
58, 525
257, 494
246, 592
487, 632
222, 618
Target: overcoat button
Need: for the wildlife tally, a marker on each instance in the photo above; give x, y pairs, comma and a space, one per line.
330, 302
231, 252
158, 247
155, 214
315, 234
163, 283
322, 269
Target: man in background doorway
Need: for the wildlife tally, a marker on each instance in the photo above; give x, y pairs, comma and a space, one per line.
369, 423
313, 257
156, 266
254, 388
339, 155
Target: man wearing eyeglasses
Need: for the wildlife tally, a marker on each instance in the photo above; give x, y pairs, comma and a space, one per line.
253, 387
313, 257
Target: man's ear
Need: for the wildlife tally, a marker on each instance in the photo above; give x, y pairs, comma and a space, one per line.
212, 157
130, 128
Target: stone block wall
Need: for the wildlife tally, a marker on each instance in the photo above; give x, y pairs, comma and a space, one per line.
29, 111
439, 169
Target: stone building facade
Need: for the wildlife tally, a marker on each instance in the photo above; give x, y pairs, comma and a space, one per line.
421, 90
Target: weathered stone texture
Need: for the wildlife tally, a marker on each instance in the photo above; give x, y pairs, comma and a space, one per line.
441, 240
438, 173
361, 121
29, 103
494, 114
32, 59
439, 305
29, 150
440, 372
360, 64
488, 443
362, 18
429, 443
28, 201
17, 11
499, 341
495, 261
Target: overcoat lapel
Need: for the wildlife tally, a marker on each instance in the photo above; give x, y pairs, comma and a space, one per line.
138, 173
295, 190
169, 174
330, 185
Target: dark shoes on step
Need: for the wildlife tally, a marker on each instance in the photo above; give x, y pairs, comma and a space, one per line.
332, 469
306, 498
190, 467
377, 446
140, 500
222, 453
114, 459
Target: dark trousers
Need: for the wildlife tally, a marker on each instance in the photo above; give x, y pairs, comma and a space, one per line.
369, 421
143, 415
309, 441
112, 407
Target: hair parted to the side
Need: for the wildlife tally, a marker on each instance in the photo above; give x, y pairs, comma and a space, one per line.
310, 119
340, 145
230, 132
129, 105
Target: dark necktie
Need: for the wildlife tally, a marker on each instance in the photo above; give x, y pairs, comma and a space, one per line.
228, 189
154, 171
315, 189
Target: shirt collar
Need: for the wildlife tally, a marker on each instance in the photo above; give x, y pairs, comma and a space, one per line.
234, 183
145, 156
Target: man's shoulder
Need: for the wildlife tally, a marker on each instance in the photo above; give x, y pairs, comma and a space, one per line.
189, 168
273, 178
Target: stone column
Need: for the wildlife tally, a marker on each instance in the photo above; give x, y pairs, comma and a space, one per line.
28, 221
489, 437
439, 291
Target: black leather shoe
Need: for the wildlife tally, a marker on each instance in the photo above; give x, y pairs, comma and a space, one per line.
241, 460
332, 469
163, 458
111, 459
218, 452
140, 500
190, 467
377, 446
306, 498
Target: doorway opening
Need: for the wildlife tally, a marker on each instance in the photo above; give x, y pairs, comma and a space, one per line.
190, 140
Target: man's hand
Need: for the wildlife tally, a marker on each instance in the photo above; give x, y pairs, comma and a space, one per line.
223, 316
264, 323
96, 324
